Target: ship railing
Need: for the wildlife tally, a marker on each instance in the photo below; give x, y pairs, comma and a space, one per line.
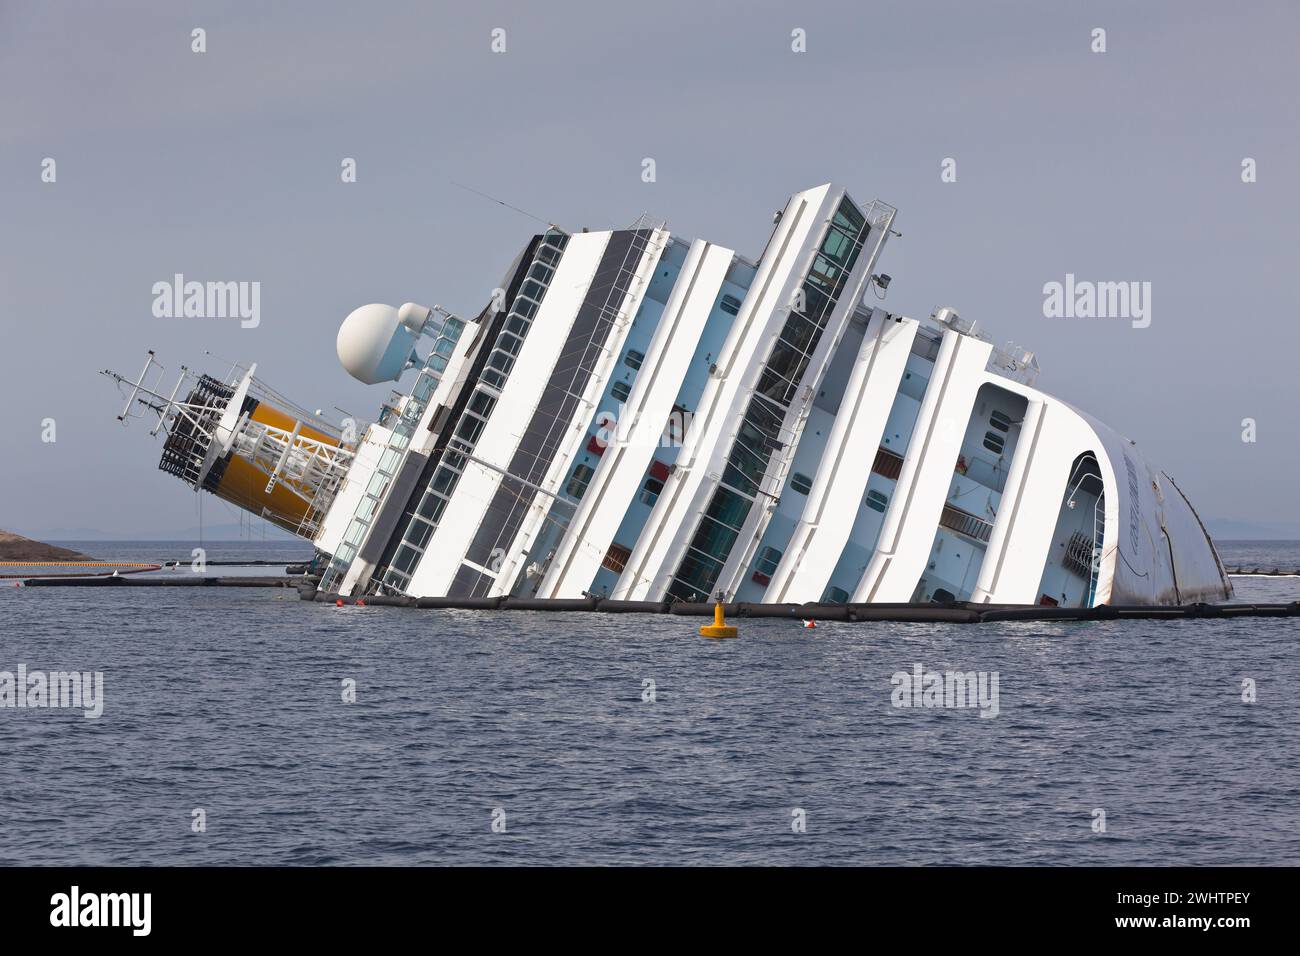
500, 362
1098, 533
626, 282
1014, 363
612, 312
879, 215
965, 523
647, 221
888, 463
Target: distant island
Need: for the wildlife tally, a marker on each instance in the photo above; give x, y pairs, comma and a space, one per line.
14, 547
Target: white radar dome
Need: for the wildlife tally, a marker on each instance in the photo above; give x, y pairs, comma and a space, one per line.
374, 345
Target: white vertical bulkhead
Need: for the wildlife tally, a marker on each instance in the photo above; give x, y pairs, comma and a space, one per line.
913, 515
699, 465
1014, 506
514, 409
576, 430
841, 480
797, 416
654, 390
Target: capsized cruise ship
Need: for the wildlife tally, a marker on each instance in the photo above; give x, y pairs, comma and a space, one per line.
641, 416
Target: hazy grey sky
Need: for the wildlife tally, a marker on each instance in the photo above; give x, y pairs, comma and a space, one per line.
1123, 165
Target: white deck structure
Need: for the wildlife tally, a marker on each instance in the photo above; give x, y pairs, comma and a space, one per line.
645, 417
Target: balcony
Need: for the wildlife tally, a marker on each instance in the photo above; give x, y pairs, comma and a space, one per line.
964, 523
887, 464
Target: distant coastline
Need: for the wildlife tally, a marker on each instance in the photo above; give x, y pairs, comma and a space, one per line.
14, 547
232, 531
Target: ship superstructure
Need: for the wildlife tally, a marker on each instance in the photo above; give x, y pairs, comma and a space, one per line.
642, 416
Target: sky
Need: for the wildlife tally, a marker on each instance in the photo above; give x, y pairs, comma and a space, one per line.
226, 165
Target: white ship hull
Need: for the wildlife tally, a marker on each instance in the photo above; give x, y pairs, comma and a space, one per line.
647, 417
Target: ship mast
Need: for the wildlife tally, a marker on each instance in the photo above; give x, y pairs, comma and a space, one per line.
216, 423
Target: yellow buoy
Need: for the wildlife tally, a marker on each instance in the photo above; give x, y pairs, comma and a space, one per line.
719, 627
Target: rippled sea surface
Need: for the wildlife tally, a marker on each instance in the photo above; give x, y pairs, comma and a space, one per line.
230, 701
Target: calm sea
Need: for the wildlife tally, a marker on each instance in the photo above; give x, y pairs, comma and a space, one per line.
539, 738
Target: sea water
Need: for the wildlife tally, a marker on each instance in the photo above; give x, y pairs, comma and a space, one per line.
244, 726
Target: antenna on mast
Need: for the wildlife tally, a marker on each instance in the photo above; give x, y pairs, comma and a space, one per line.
242, 444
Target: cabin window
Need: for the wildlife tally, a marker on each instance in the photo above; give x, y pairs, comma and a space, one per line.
469, 429
876, 501
994, 442
633, 358
768, 559
835, 595
1000, 421
801, 483
620, 391
765, 566
578, 483
730, 305
942, 596
650, 491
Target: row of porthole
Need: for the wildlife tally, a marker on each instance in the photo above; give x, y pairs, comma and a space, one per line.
874, 500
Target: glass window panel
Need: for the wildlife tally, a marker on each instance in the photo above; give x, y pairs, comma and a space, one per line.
768, 559
579, 481
419, 533
729, 508
405, 559
817, 304
469, 429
